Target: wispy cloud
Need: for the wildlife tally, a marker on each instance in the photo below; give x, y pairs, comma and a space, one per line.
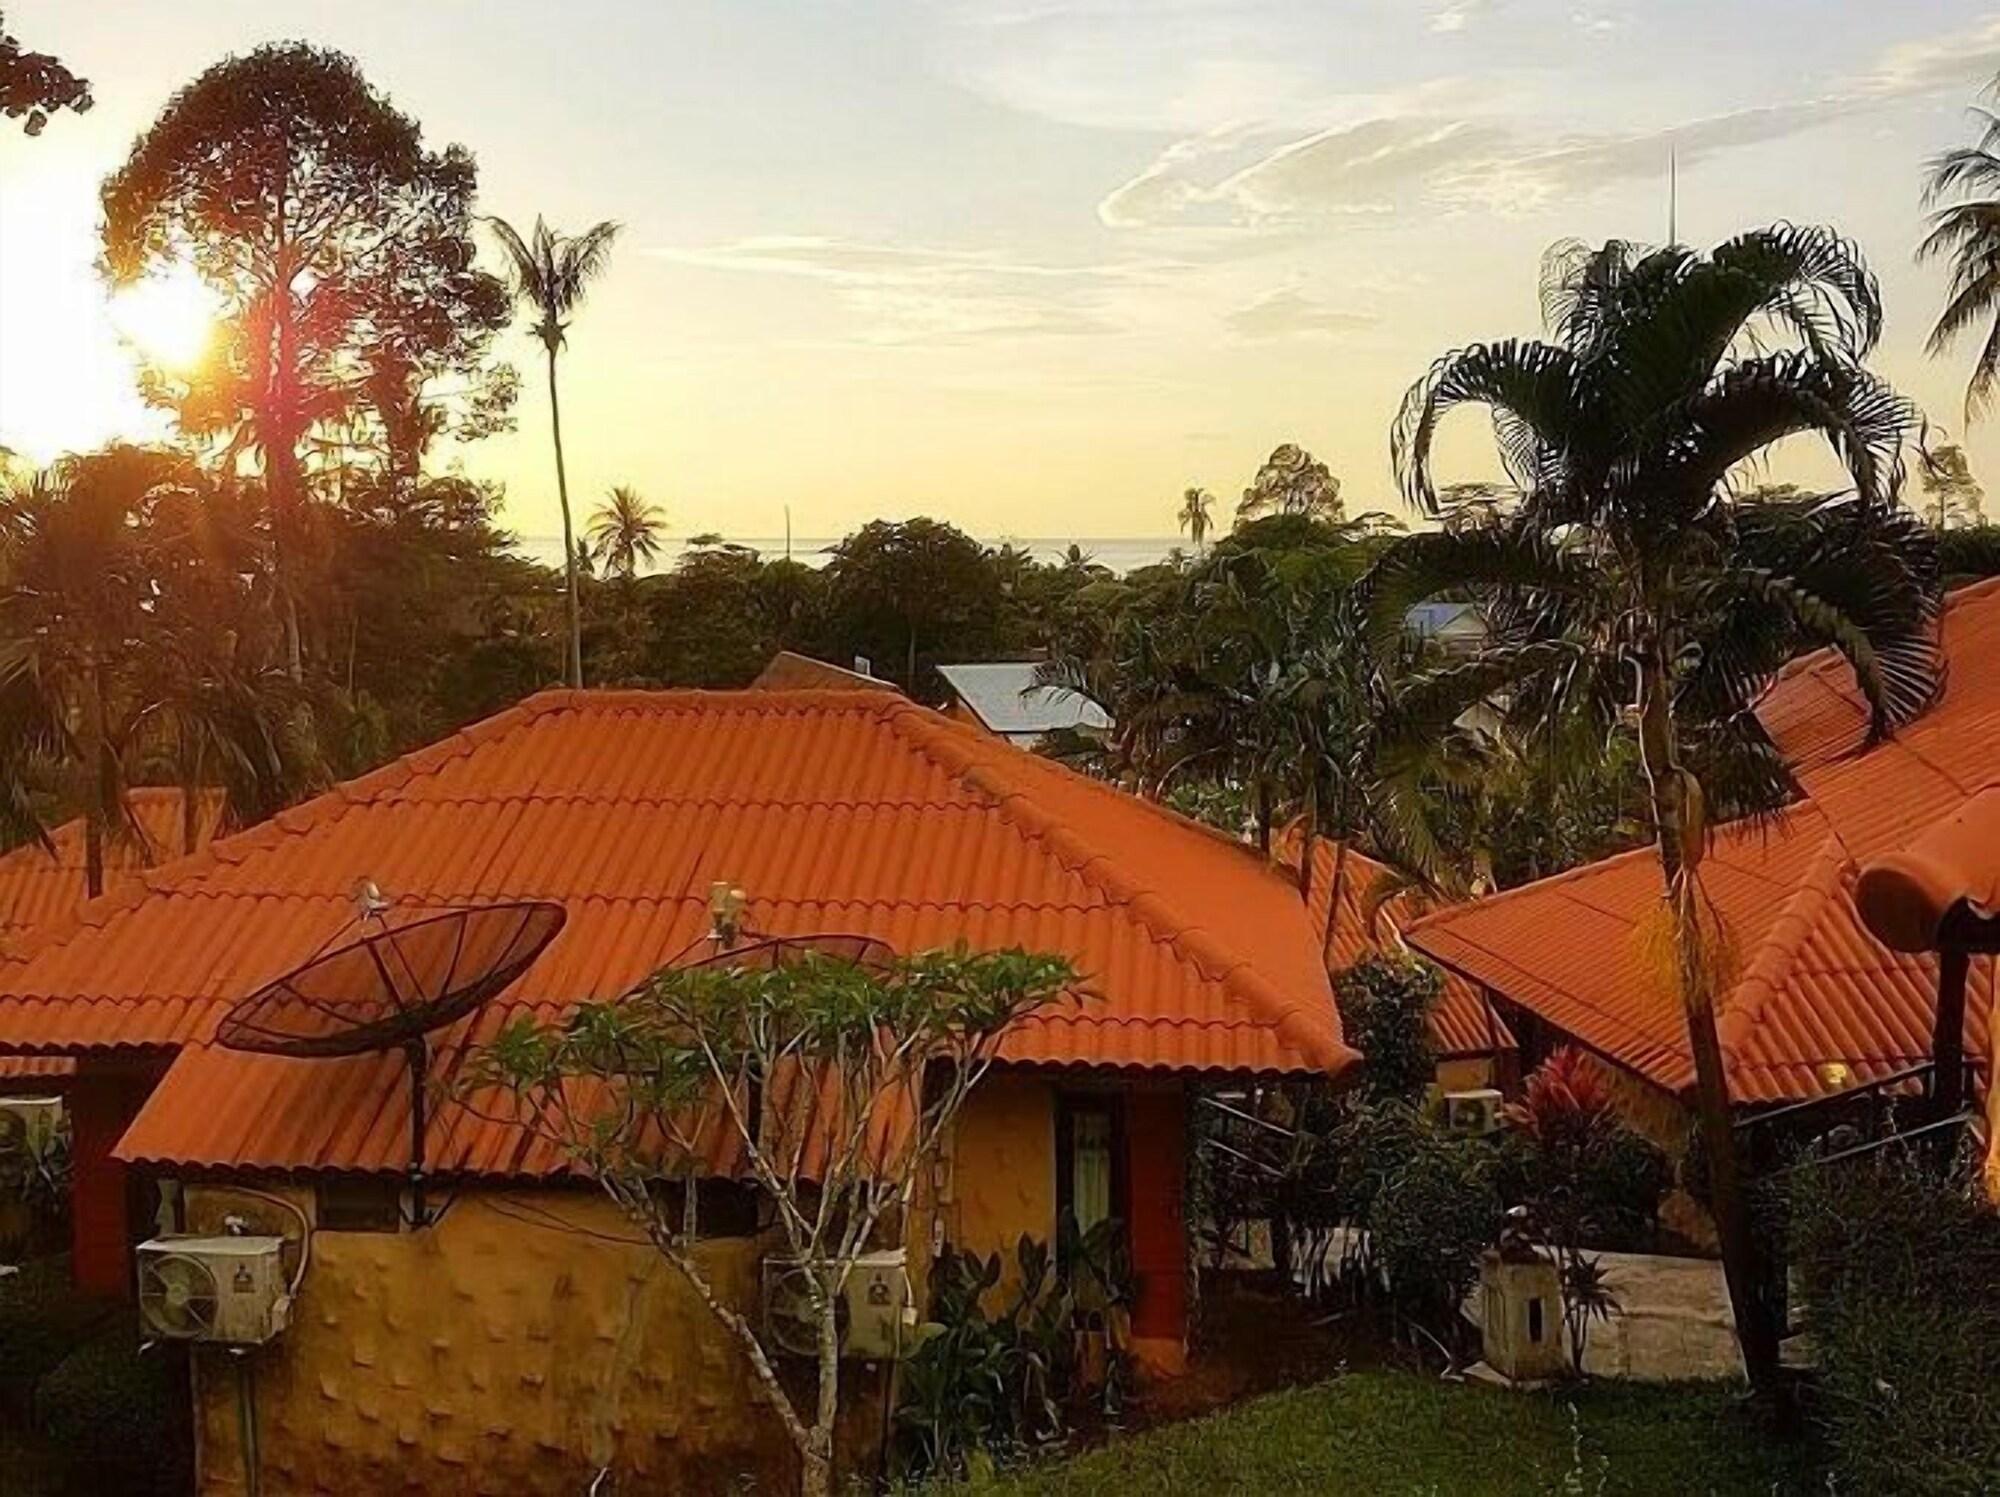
1290, 313
1424, 155
905, 294
1456, 15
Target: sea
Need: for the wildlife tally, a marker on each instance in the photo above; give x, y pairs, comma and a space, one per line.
1120, 554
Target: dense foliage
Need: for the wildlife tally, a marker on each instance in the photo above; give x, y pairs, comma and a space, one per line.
998, 1374
1898, 1268
1384, 1003
34, 85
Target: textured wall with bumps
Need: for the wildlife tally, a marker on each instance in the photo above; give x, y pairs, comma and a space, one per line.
493, 1355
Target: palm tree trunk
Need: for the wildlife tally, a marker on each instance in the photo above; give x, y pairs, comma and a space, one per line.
569, 535
100, 790
1677, 823
1338, 887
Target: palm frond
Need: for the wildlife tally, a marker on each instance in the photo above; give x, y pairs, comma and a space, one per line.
1429, 564
1536, 385
1757, 402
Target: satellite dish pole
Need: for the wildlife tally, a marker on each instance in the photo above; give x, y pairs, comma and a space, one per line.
388, 991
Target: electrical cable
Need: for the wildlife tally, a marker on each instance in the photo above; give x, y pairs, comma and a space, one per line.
305, 1228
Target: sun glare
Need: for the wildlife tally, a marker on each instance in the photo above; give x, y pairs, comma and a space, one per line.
168, 317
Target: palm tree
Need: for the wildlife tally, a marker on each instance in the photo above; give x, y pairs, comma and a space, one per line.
551, 273
101, 666
1632, 586
626, 530
1194, 515
1965, 230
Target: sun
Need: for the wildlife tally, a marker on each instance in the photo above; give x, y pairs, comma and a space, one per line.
169, 317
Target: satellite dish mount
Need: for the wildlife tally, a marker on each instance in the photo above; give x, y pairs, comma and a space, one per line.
390, 989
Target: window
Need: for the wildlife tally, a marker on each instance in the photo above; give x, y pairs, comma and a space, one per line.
357, 1203
1090, 1159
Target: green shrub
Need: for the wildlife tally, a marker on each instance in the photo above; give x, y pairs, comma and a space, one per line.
42, 1320
1899, 1272
1385, 1004
118, 1416
1433, 1211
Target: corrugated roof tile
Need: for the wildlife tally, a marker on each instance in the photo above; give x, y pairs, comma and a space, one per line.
1813, 987
840, 811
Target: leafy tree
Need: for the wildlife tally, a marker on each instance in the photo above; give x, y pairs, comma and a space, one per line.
895, 1048
920, 591
340, 248
552, 274
1194, 515
626, 531
34, 85
1291, 482
1631, 582
705, 621
435, 621
1965, 231
1385, 1004
1953, 498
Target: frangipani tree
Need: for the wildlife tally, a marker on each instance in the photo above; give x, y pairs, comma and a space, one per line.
836, 1082
1634, 586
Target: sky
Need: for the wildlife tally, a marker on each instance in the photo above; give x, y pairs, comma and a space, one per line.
1036, 266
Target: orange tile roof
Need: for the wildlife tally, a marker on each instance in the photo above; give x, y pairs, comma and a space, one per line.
1463, 1024
846, 811
1879, 798
1912, 898
38, 886
1812, 987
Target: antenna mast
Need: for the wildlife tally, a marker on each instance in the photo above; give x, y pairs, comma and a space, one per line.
1673, 196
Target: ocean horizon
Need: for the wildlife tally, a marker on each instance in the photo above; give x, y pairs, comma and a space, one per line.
1119, 553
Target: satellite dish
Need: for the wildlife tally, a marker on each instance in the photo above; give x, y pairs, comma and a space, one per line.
764, 953
389, 989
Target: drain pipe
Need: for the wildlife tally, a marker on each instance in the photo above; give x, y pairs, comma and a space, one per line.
246, 1416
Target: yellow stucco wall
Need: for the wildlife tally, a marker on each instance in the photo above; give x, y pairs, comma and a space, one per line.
490, 1355
1001, 1176
1466, 1073
493, 1354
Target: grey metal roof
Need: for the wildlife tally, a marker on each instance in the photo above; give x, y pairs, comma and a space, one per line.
1003, 695
1428, 620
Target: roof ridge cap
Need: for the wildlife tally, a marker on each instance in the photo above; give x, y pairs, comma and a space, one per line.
956, 749
760, 701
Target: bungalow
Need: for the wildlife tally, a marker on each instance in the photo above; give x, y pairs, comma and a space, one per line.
1815, 1003
1003, 698
523, 1342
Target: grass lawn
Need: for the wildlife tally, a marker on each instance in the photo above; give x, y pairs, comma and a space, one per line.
1399, 1432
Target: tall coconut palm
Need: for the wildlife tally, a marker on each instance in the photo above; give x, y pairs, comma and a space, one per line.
1194, 515
626, 530
551, 274
1632, 583
1963, 187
